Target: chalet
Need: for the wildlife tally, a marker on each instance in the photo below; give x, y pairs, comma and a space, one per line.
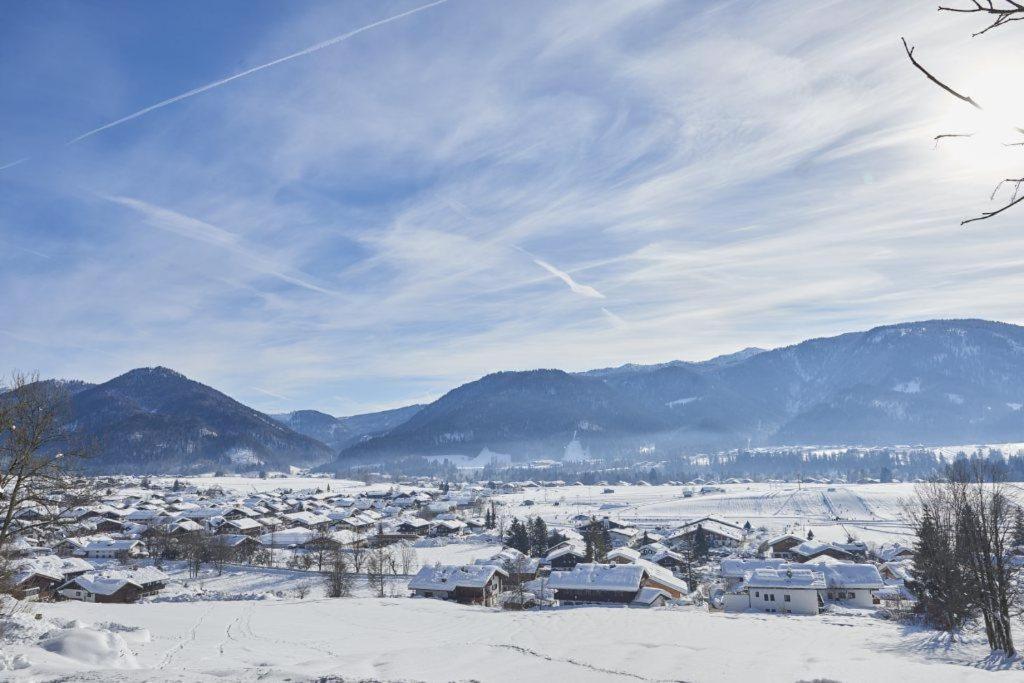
120, 549
109, 526
598, 583
475, 584
184, 527
622, 556
663, 579
783, 591
518, 566
287, 538
566, 556
310, 520
115, 585
649, 596
718, 533
413, 525
447, 527
241, 546
243, 525
811, 550
780, 546
38, 578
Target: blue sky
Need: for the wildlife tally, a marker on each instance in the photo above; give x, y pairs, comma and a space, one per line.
484, 185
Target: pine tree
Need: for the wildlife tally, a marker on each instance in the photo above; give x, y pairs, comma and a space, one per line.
700, 543
810, 535
747, 526
938, 578
539, 537
1018, 527
518, 537
588, 548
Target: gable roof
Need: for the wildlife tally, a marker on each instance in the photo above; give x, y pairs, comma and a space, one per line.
447, 577
594, 576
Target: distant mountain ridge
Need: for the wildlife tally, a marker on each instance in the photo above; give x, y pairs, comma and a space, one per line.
931, 382
342, 432
155, 420
935, 382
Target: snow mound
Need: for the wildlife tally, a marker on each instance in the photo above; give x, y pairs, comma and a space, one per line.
8, 663
95, 647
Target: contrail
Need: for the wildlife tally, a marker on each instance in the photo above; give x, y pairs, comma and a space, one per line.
216, 84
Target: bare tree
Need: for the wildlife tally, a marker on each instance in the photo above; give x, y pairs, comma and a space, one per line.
378, 562
407, 558
38, 460
997, 13
337, 577
320, 547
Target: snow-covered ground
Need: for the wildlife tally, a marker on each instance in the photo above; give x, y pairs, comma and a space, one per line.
429, 640
870, 512
275, 624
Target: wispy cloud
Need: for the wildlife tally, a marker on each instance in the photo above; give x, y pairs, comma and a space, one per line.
674, 165
201, 231
248, 72
582, 290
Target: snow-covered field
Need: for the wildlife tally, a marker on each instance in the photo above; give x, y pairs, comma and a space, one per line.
429, 640
276, 624
870, 512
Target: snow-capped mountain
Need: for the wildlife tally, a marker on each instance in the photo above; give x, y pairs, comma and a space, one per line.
932, 382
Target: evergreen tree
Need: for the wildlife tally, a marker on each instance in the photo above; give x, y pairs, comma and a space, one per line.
518, 537
1018, 527
810, 535
700, 543
588, 547
539, 537
939, 582
747, 526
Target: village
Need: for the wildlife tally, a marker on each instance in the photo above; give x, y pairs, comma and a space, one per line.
400, 538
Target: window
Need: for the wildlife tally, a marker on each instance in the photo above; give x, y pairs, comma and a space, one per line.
757, 594
766, 597
851, 595
786, 598
773, 597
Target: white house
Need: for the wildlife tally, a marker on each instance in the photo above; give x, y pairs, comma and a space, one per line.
848, 584
782, 591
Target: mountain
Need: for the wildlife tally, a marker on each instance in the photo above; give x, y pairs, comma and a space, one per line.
931, 382
155, 420
342, 432
523, 411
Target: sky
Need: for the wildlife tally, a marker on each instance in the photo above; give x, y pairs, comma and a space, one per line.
357, 205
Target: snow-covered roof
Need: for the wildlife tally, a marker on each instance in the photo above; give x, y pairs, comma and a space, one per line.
788, 578
593, 576
565, 550
624, 553
848, 575
110, 581
293, 536
812, 548
737, 567
648, 594
446, 577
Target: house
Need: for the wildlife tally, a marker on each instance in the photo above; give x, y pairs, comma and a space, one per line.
622, 556
847, 584
732, 570
650, 597
287, 538
718, 533
663, 579
447, 527
474, 584
310, 520
413, 525
811, 550
120, 549
122, 586
242, 525
518, 566
598, 583
784, 591
780, 546
566, 556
